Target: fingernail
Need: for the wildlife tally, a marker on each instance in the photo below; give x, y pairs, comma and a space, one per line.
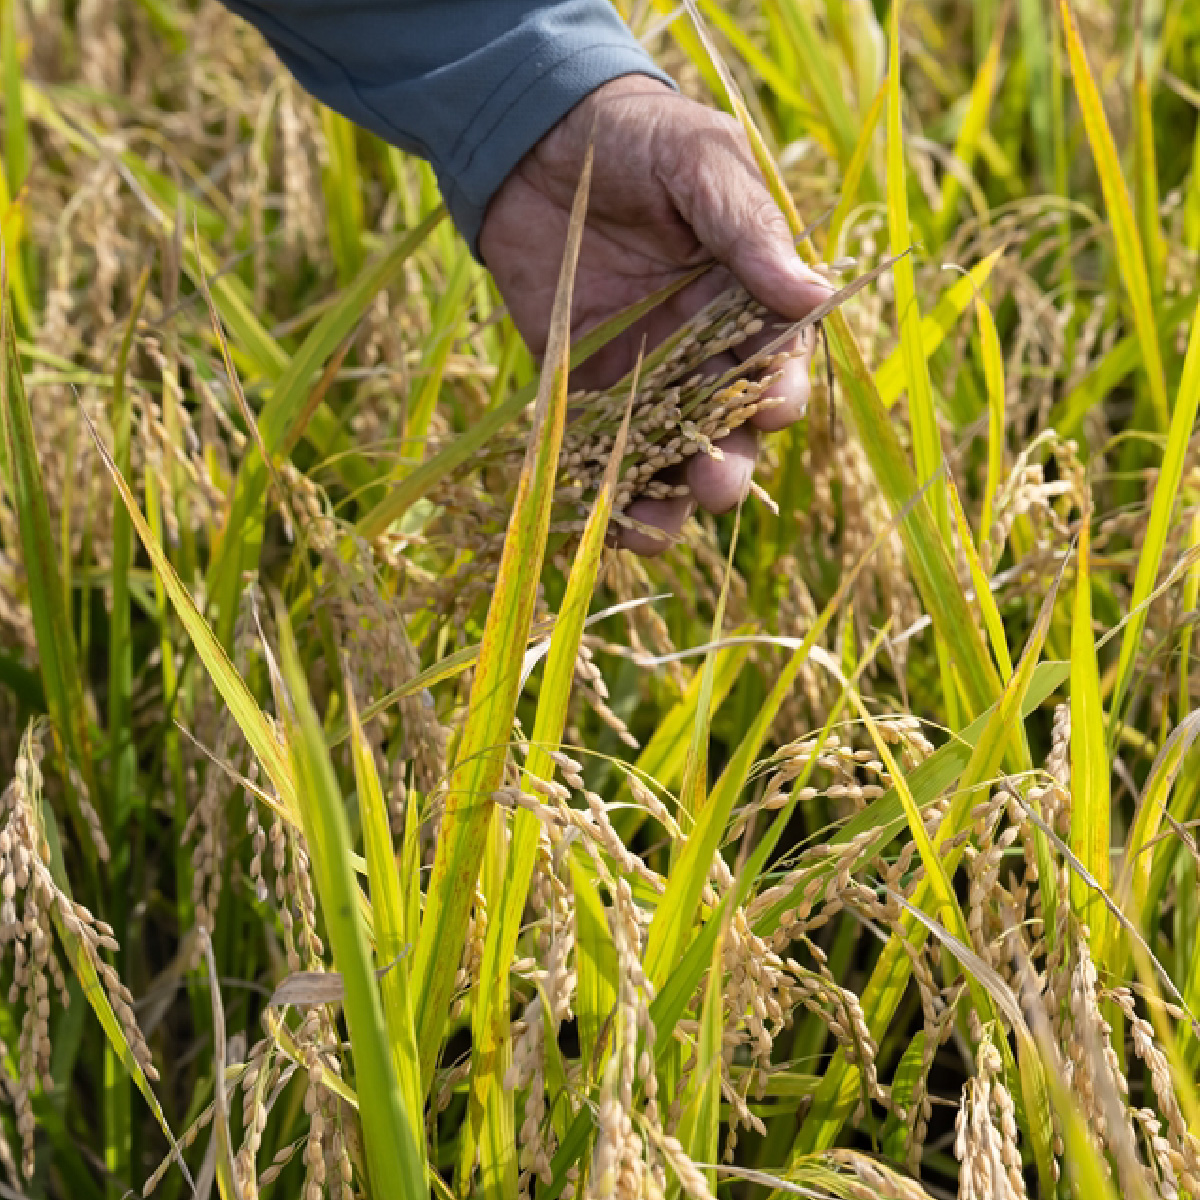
803, 273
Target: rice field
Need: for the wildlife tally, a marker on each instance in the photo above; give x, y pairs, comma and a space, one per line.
371, 827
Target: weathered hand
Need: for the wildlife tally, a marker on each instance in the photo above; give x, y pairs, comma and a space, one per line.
674, 185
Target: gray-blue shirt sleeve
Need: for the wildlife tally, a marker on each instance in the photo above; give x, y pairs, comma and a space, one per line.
470, 85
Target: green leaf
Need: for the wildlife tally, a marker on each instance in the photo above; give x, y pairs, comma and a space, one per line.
490, 1101
853, 178
974, 122
392, 947
890, 375
1130, 257
237, 696
673, 919
342, 184
1091, 800
927, 442
120, 648
926, 437
391, 1131
820, 71
1162, 507
440, 341
483, 750
699, 1122
595, 965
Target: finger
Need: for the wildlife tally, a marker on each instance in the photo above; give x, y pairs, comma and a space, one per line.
718, 484
719, 191
788, 393
788, 397
663, 520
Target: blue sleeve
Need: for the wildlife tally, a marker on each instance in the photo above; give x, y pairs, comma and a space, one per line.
470, 85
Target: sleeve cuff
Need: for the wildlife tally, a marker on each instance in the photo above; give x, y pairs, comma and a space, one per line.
530, 102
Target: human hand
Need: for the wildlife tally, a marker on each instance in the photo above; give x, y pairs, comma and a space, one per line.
674, 185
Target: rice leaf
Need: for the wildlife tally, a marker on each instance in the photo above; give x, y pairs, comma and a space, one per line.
390, 923
483, 750
1112, 368
664, 755
992, 621
673, 918
909, 1073
1191, 600
341, 182
953, 302
820, 71
595, 966
489, 1014
1130, 255
852, 178
80, 956
938, 887
16, 165
1145, 173
391, 1131
13, 224
1162, 506
927, 442
410, 872
237, 696
699, 1122
120, 648
993, 375
763, 66
443, 330
16, 127
1091, 800
974, 122
227, 1179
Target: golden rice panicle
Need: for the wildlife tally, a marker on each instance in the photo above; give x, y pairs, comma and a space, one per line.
1176, 1150
258, 1082
31, 903
985, 1142
553, 999
1093, 1071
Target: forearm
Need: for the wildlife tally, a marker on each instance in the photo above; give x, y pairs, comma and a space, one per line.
470, 85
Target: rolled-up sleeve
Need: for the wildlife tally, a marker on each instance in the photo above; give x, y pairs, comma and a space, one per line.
470, 85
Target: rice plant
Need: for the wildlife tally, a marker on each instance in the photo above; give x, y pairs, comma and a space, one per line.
370, 826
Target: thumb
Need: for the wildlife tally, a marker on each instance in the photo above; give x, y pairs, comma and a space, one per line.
719, 191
